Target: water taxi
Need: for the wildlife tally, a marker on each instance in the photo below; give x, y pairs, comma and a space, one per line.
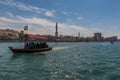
32, 46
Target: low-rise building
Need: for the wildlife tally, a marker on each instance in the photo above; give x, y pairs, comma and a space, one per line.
97, 36
8, 34
113, 38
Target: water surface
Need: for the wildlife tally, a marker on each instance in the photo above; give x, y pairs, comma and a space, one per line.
67, 61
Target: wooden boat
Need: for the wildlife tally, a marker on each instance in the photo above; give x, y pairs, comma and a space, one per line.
22, 50
29, 50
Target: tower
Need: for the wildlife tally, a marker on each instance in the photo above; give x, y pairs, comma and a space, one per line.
56, 32
78, 35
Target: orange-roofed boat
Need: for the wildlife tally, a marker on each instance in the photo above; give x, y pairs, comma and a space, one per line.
32, 47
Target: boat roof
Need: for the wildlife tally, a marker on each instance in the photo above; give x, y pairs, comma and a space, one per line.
31, 36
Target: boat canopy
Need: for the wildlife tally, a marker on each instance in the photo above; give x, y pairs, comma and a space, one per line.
31, 36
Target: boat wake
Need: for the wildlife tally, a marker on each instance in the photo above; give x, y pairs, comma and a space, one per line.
59, 48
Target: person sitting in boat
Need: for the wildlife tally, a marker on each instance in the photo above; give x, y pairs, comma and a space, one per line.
25, 46
29, 45
43, 45
35, 45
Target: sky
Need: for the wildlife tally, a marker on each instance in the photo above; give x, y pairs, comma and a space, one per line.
72, 16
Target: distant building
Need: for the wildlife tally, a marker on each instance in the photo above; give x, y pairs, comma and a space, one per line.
51, 38
66, 38
98, 37
113, 38
88, 39
8, 34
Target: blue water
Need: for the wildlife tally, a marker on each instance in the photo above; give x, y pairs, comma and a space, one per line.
67, 61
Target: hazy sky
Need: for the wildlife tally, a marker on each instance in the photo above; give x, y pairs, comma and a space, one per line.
73, 16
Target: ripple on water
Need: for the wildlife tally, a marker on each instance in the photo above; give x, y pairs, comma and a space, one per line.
67, 61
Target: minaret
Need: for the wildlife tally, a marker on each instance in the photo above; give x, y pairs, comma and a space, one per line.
78, 35
56, 33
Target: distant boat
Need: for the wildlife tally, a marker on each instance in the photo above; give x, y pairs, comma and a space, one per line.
32, 50
111, 42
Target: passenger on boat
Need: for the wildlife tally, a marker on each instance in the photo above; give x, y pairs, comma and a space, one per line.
35, 45
25, 46
28, 45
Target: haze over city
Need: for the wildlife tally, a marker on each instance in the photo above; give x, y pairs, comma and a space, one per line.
73, 16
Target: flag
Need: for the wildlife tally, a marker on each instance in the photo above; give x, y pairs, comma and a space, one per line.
26, 27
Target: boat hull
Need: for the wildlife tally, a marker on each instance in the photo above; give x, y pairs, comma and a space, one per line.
22, 50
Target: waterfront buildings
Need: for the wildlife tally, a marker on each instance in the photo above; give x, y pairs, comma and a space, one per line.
9, 34
113, 38
97, 37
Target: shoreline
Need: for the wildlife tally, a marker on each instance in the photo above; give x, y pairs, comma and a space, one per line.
53, 41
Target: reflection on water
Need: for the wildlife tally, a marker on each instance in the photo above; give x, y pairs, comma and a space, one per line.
67, 61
